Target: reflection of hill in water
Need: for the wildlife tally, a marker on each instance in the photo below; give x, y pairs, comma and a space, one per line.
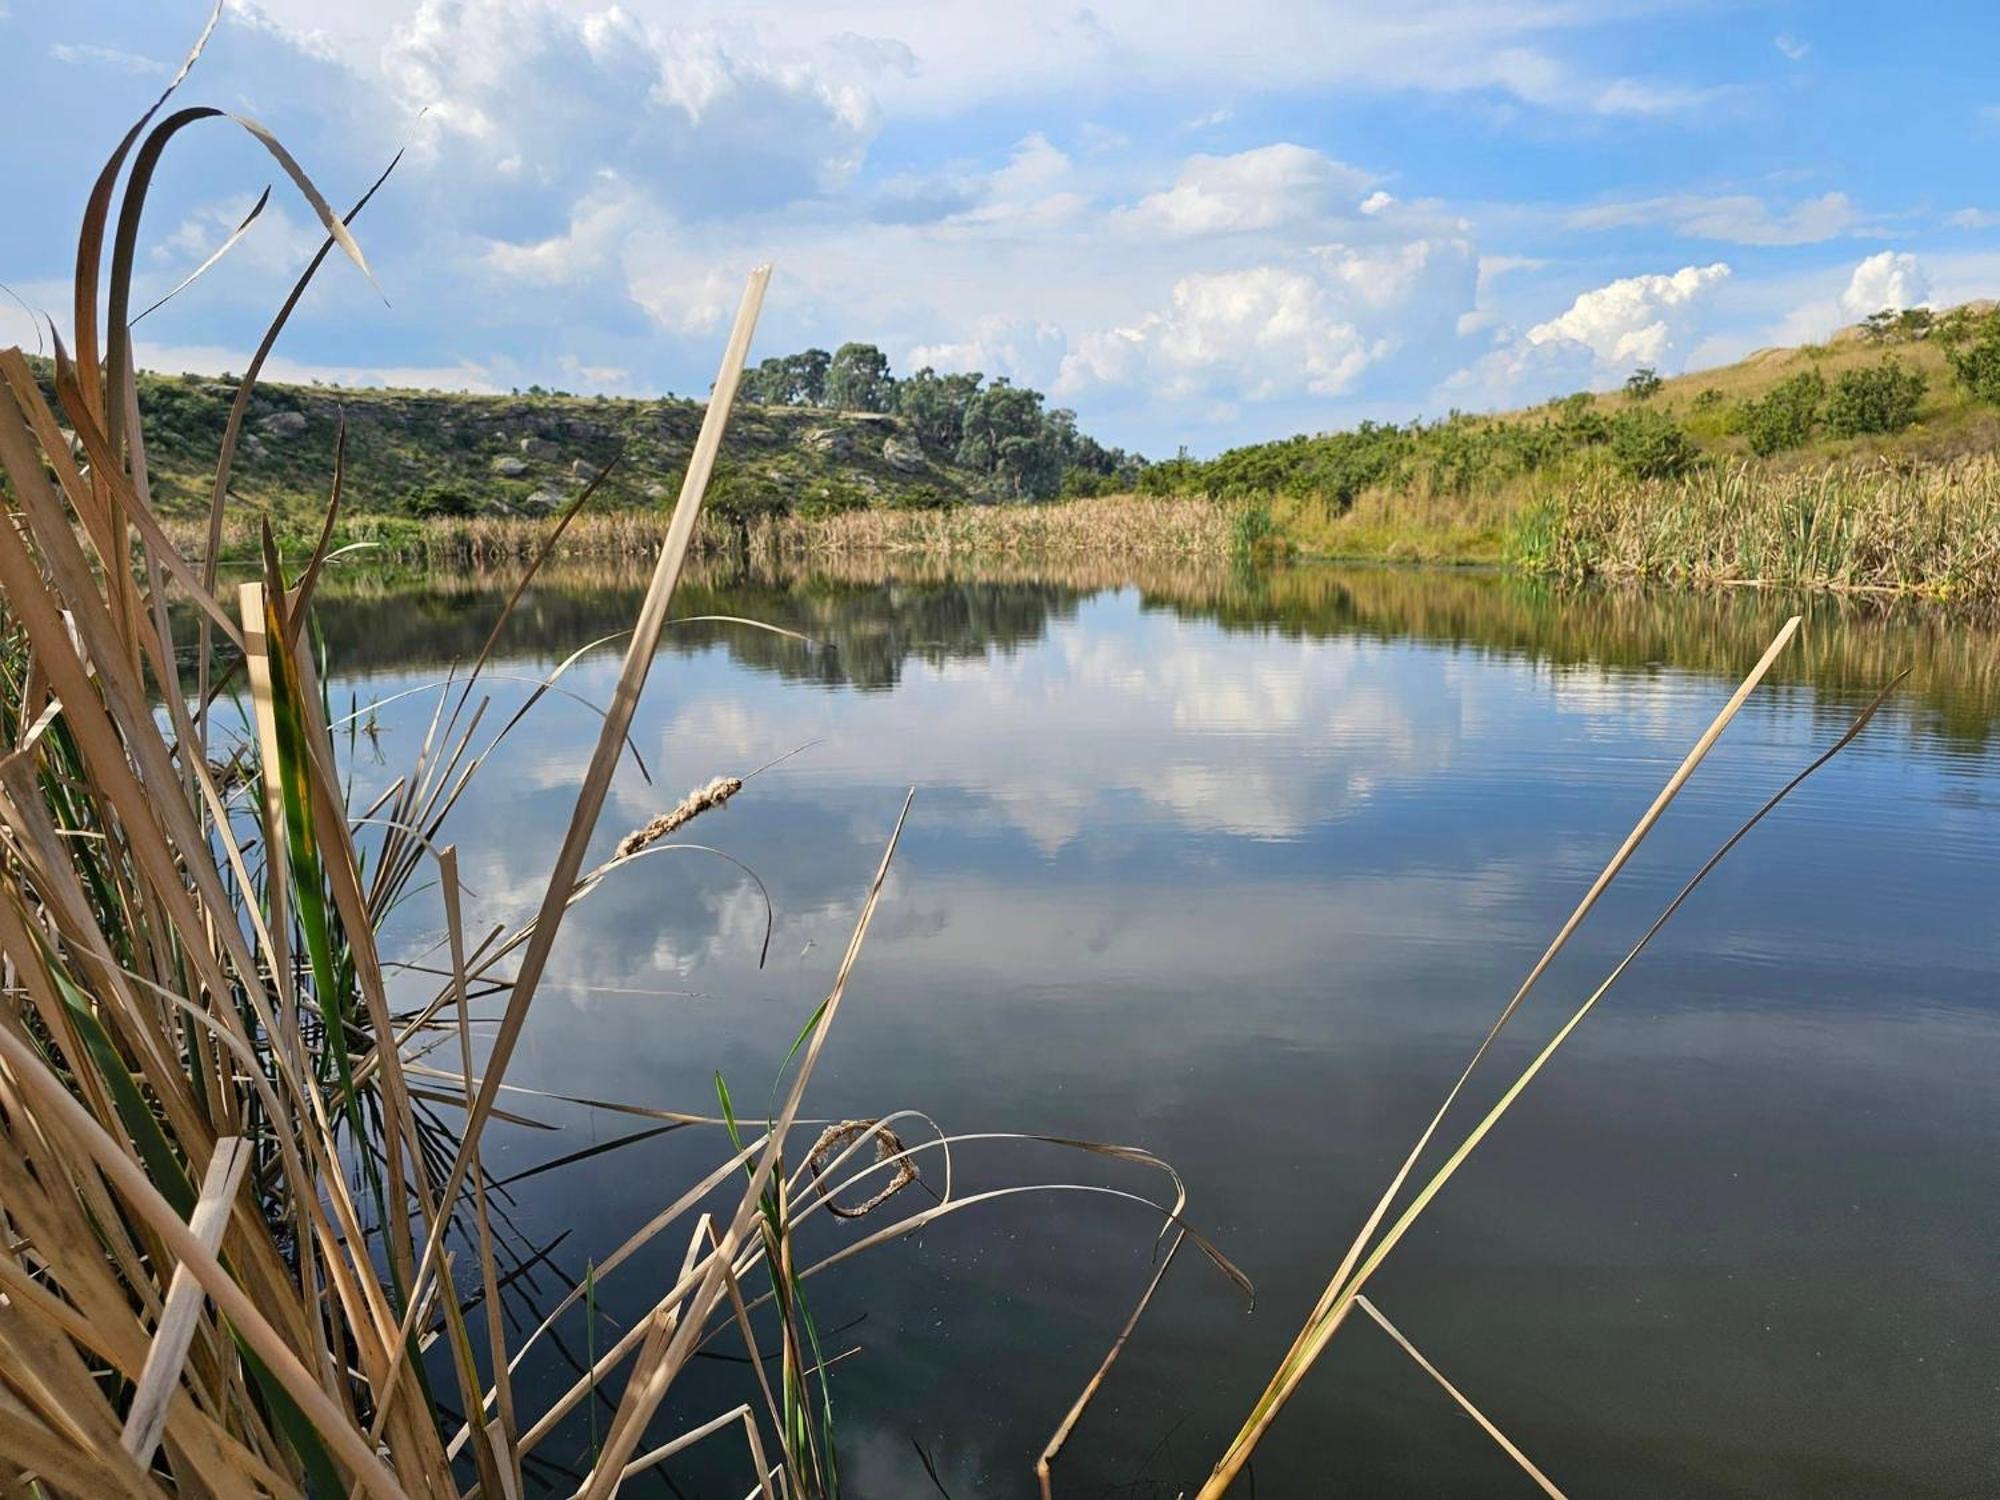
872, 615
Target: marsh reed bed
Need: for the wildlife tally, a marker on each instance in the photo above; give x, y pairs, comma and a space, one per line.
1925, 529
247, 1244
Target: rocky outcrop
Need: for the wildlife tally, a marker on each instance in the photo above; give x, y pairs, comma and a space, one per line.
903, 457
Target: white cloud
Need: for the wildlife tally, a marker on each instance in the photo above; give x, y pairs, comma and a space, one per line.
1974, 218
1026, 352
1257, 333
947, 56
1634, 320
212, 359
1791, 46
78, 53
1737, 218
1891, 279
1209, 120
548, 97
1259, 189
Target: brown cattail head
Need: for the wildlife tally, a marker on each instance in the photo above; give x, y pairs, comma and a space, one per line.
692, 806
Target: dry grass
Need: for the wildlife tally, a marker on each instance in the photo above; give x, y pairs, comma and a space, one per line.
1123, 526
1930, 530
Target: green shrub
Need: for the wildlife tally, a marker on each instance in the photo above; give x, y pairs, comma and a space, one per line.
917, 497
1652, 445
831, 498
1883, 399
1643, 384
1972, 349
1786, 416
439, 501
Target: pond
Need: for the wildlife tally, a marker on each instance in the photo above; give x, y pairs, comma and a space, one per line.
1239, 867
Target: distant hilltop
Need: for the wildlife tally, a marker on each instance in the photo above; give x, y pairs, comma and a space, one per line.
923, 441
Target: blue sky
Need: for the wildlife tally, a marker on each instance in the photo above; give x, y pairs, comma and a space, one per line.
1196, 225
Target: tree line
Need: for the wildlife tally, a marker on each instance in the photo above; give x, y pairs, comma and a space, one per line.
1006, 432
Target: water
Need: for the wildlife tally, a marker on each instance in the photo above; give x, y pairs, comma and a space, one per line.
1239, 869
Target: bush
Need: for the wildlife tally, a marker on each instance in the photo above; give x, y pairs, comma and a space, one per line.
917, 497
1652, 445
439, 502
1972, 349
1786, 416
1884, 399
832, 498
1643, 384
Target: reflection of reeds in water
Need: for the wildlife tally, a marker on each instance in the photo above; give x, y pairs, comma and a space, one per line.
859, 606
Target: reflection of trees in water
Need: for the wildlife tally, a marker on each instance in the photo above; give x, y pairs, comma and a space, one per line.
872, 615
861, 632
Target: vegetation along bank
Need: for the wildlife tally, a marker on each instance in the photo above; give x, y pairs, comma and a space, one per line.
1864, 464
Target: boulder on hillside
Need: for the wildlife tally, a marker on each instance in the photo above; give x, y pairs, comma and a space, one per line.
540, 449
541, 503
585, 470
904, 458
509, 467
834, 442
283, 424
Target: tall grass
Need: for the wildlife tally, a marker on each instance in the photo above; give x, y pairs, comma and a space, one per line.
1124, 527
1926, 529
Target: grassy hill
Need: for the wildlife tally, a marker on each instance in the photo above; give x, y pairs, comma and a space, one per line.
1897, 415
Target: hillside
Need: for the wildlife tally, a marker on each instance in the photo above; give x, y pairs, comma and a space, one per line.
412, 452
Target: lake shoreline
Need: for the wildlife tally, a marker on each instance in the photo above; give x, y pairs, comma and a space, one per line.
1929, 532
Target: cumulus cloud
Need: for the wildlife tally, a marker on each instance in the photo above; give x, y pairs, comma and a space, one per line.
1026, 351
1258, 333
1633, 320
1891, 279
1791, 46
525, 90
1739, 218
1260, 189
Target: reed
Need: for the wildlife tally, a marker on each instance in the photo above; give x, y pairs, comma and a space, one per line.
1114, 527
1928, 529
225, 1188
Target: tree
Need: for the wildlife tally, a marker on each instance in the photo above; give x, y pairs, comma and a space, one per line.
1008, 436
789, 380
934, 405
1643, 384
858, 379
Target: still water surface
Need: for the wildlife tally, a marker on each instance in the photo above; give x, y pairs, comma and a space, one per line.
1239, 869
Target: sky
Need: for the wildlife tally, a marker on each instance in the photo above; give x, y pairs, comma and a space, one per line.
1197, 225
